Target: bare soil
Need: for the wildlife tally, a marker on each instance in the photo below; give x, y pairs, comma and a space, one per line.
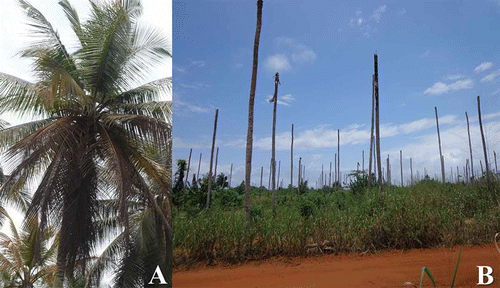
385, 269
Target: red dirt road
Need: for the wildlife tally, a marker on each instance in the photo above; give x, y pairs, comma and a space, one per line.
387, 269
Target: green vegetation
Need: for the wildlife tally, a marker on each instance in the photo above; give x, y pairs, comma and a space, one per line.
426, 214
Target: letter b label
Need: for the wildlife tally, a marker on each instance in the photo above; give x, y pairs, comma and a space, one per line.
483, 275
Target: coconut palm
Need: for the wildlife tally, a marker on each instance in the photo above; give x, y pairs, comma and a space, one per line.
27, 257
96, 129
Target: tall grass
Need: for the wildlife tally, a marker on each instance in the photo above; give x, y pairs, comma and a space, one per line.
427, 214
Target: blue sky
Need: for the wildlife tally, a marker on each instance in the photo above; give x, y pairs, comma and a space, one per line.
441, 53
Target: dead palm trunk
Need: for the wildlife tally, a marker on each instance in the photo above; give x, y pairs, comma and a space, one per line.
411, 172
401, 164
440, 151
300, 180
261, 174
371, 134
335, 181
377, 124
363, 160
189, 165
338, 151
488, 179
496, 167
388, 171
291, 162
199, 165
279, 168
273, 148
216, 162
248, 160
231, 175
470, 149
330, 178
212, 160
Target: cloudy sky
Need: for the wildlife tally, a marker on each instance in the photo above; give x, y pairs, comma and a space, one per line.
15, 35
436, 54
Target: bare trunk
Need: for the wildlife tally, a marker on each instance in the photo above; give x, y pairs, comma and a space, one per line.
496, 167
330, 178
440, 151
363, 160
279, 168
216, 161
251, 102
488, 179
231, 175
212, 160
300, 168
273, 156
401, 164
261, 174
388, 171
371, 134
189, 165
411, 172
199, 165
470, 150
335, 170
338, 151
377, 124
291, 162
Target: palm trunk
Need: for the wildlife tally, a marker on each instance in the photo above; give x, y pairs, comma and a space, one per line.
300, 180
401, 164
189, 165
273, 156
440, 151
199, 165
371, 135
231, 175
216, 162
330, 178
291, 162
488, 179
248, 160
470, 150
338, 151
261, 174
377, 124
411, 172
212, 160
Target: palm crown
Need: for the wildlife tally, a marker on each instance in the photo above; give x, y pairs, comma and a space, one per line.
98, 132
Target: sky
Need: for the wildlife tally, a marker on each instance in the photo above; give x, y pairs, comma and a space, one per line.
430, 54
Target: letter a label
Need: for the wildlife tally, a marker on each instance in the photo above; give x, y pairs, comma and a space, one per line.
483, 274
158, 275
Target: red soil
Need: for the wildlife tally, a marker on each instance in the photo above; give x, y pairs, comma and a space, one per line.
386, 269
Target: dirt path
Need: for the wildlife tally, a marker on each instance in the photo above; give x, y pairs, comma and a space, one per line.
387, 269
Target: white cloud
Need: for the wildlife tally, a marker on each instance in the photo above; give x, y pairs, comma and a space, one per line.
440, 87
304, 56
483, 66
278, 62
425, 123
188, 106
179, 69
455, 77
490, 77
495, 92
198, 63
378, 12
